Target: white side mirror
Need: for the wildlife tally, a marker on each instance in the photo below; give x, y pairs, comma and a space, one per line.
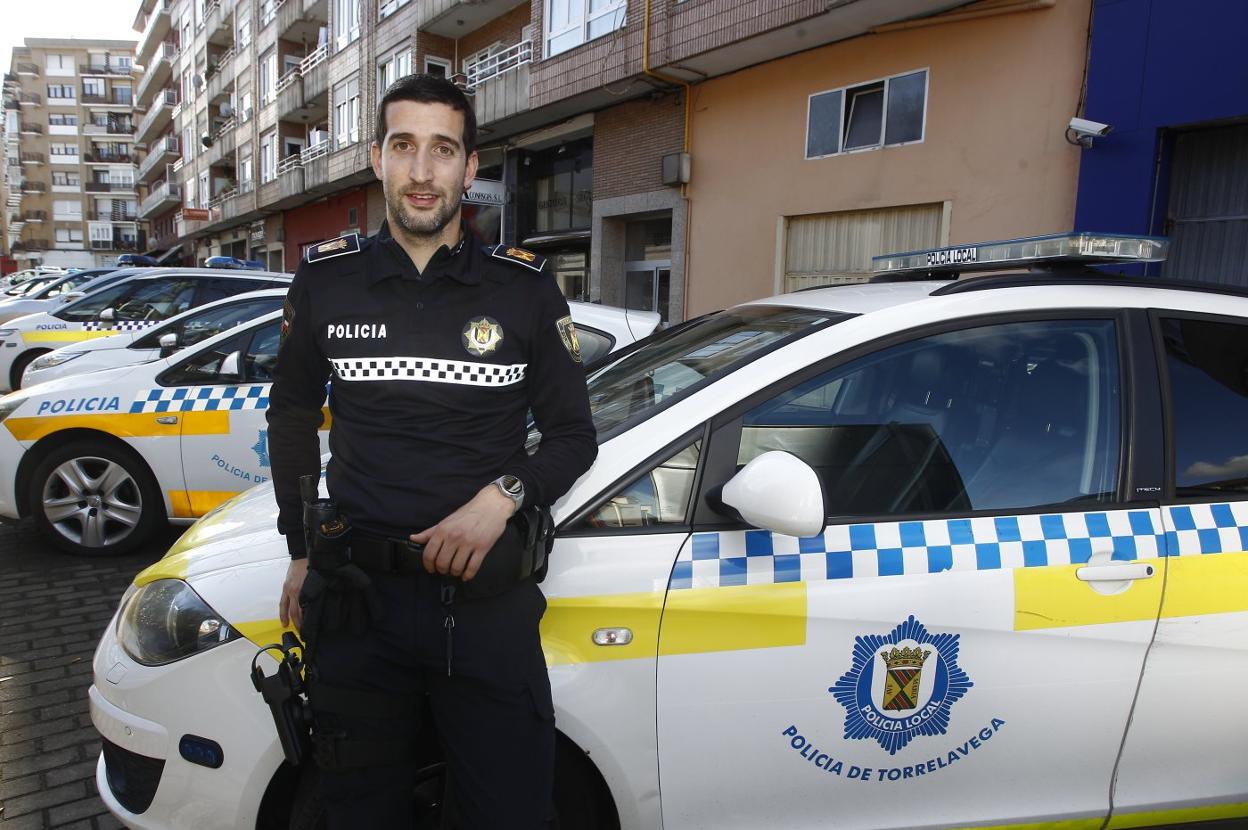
70, 296
108, 315
168, 343
779, 492
230, 367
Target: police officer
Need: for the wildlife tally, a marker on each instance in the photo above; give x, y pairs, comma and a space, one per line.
434, 348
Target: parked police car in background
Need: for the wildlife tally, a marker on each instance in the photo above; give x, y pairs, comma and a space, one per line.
101, 459
49, 291
152, 295
915, 554
130, 347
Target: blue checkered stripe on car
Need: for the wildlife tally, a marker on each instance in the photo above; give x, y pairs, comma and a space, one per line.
1194, 529
118, 325
759, 557
202, 399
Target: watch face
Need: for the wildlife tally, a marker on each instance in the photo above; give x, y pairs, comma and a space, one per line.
512, 485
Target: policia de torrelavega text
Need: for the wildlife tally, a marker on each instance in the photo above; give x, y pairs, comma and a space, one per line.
434, 348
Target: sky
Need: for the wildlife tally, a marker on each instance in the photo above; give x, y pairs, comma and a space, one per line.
97, 19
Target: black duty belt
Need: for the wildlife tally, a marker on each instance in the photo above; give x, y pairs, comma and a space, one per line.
386, 554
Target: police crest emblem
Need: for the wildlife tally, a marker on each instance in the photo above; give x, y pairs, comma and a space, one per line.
482, 336
567, 333
901, 686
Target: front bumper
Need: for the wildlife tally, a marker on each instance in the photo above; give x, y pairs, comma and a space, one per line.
143, 712
11, 452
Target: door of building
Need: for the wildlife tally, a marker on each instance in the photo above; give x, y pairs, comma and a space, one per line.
1207, 218
647, 285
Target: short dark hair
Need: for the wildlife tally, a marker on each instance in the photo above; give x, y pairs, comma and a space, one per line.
429, 89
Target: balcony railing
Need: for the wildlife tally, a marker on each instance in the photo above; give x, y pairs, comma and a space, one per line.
158, 67
111, 216
291, 162
106, 69
34, 158
113, 128
27, 69
314, 58
162, 192
158, 22
35, 129
157, 155
32, 245
34, 187
35, 216
30, 99
286, 80
500, 63
314, 152
108, 187
159, 112
105, 157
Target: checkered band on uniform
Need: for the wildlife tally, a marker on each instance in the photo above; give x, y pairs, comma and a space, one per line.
118, 325
202, 399
430, 370
759, 557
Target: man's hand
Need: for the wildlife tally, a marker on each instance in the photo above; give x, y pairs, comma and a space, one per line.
288, 608
457, 545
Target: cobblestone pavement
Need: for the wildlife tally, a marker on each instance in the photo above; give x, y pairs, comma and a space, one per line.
53, 608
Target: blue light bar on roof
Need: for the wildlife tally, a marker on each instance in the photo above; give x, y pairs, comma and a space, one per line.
1031, 251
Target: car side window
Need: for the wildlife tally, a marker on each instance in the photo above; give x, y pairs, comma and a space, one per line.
157, 300
1013, 415
594, 344
205, 366
262, 353
89, 308
1207, 363
659, 496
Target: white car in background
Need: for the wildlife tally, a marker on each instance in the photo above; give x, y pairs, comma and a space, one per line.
128, 348
51, 290
101, 459
927, 554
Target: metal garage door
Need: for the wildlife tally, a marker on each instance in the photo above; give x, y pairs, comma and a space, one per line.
829, 248
1208, 213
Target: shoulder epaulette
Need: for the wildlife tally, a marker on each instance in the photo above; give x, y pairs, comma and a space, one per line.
343, 245
519, 256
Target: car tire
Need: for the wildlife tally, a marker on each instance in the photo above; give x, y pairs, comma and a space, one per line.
93, 498
19, 367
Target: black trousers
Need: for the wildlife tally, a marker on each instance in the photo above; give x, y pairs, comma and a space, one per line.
493, 713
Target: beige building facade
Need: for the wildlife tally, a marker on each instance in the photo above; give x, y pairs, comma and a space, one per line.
945, 130
70, 157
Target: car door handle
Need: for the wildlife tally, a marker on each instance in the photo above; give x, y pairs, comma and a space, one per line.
1117, 572
167, 419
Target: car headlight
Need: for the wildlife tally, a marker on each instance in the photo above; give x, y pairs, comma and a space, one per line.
165, 621
55, 358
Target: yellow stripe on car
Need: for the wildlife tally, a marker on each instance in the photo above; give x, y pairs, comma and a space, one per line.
190, 504
1054, 597
1123, 821
65, 336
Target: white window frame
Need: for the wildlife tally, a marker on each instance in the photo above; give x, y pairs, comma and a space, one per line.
845, 113
100, 233
469, 61
268, 76
447, 66
347, 19
346, 112
243, 35
268, 156
582, 17
385, 8
205, 190
393, 66
71, 232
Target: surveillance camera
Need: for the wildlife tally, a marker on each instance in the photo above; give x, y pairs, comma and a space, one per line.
1092, 129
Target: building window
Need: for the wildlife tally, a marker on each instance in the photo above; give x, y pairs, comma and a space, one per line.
57, 119
205, 193
61, 91
437, 67
66, 208
245, 173
63, 149
347, 113
569, 23
389, 7
268, 157
268, 11
60, 179
393, 67
93, 87
268, 76
346, 22
244, 32
122, 95
69, 234
60, 64
867, 116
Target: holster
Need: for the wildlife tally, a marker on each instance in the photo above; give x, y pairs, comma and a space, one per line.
521, 553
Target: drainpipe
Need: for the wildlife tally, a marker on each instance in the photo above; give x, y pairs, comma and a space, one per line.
684, 187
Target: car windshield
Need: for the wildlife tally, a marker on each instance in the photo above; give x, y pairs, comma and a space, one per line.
29, 287
681, 360
193, 328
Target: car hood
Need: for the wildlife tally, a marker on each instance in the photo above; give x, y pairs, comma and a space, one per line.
106, 382
114, 341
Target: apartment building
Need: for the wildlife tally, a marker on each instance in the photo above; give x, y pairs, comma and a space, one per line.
620, 139
69, 132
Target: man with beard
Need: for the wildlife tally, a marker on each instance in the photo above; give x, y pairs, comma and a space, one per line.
434, 348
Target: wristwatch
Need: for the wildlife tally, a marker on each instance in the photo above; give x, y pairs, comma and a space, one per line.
511, 487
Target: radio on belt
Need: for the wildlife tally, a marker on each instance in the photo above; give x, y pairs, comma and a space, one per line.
1032, 252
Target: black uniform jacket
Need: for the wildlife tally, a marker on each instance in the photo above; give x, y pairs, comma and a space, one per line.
430, 379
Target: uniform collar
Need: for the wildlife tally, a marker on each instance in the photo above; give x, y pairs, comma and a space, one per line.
460, 263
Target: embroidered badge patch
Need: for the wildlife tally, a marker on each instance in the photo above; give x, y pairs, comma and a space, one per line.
567, 333
520, 253
482, 336
288, 318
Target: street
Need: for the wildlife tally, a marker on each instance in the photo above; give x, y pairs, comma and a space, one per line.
52, 609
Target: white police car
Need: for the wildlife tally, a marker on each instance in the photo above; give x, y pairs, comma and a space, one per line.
100, 459
920, 554
130, 347
52, 290
149, 297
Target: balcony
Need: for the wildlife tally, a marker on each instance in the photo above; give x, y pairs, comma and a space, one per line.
34, 187
162, 152
109, 128
120, 242
34, 216
106, 69
97, 156
157, 27
159, 115
32, 245
32, 129
164, 195
300, 22
34, 158
315, 73
456, 18
29, 69
501, 83
111, 216
224, 141
158, 72
108, 187
107, 101
315, 163
220, 74
30, 99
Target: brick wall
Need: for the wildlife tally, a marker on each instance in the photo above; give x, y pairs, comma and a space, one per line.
624, 165
504, 29
433, 46
323, 220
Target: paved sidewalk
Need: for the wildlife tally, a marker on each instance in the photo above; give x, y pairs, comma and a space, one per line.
53, 608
